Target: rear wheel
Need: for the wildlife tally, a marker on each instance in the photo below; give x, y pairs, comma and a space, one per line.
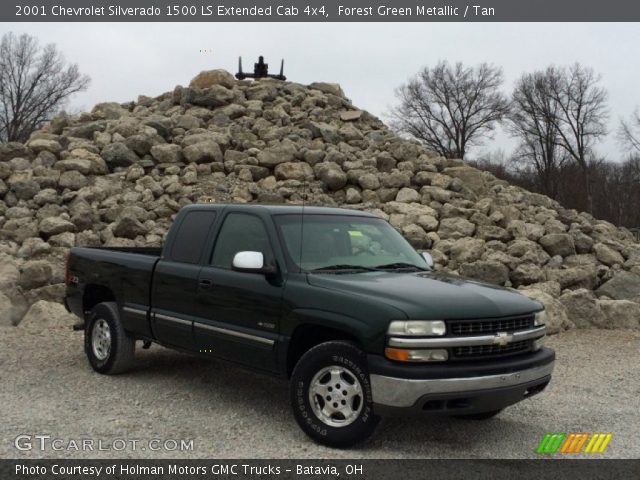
479, 416
331, 395
109, 348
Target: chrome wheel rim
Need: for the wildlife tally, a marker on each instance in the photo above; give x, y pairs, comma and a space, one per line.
101, 339
336, 396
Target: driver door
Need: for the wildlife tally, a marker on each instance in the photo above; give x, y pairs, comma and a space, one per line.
239, 312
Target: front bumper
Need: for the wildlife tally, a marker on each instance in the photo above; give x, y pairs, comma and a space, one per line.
461, 391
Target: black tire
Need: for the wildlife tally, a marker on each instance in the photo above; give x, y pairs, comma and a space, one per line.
351, 361
118, 357
479, 416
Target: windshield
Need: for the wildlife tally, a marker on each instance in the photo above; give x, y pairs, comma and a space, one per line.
335, 242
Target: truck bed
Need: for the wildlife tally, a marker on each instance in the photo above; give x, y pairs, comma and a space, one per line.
125, 271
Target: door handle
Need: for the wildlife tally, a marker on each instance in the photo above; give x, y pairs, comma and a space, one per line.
205, 283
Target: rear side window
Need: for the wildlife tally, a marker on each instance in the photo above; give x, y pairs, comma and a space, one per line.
191, 237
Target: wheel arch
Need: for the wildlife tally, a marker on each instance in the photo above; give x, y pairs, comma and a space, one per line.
94, 294
308, 335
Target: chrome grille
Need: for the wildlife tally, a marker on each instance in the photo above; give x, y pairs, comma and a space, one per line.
479, 327
491, 350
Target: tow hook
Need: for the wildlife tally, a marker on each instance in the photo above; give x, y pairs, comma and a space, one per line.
78, 326
146, 344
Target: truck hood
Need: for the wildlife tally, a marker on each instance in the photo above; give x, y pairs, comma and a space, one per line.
428, 295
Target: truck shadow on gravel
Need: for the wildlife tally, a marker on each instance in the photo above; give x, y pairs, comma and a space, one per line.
264, 400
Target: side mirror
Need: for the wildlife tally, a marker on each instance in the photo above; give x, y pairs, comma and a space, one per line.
250, 262
428, 259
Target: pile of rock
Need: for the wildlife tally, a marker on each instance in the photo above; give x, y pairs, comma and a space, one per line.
118, 174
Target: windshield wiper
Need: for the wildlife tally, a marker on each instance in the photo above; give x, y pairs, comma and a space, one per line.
399, 266
344, 267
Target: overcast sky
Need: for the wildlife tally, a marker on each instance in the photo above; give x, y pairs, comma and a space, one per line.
368, 59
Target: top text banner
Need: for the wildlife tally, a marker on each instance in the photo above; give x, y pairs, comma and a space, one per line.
319, 11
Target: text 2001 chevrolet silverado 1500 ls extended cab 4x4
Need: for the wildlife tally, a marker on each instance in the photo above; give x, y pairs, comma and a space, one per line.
335, 299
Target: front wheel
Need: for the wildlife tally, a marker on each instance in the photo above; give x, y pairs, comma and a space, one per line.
108, 346
331, 395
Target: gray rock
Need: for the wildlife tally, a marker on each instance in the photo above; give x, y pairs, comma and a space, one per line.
128, 226
573, 277
73, 180
621, 313
42, 144
117, 154
582, 308
395, 180
416, 236
623, 286
456, 228
331, 175
293, 171
369, 181
486, 271
167, 153
467, 250
46, 315
274, 156
35, 273
54, 225
407, 195
558, 244
9, 274
607, 255
203, 152
526, 274
557, 318
214, 96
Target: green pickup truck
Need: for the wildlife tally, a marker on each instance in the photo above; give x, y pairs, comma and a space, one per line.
336, 300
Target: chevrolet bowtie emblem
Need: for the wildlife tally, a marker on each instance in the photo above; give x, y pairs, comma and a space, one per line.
502, 338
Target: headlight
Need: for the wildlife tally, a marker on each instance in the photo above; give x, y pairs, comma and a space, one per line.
425, 355
417, 328
540, 318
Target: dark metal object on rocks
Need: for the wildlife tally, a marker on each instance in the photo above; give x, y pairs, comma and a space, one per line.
260, 70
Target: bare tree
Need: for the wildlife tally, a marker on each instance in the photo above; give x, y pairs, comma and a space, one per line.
34, 84
450, 108
583, 115
534, 120
629, 132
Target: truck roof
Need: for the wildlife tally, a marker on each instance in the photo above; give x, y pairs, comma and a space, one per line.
282, 209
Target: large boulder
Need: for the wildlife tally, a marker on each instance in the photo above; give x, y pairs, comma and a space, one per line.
456, 227
293, 171
54, 225
209, 78
119, 155
558, 244
128, 226
44, 315
203, 152
620, 313
35, 273
557, 318
607, 255
487, 271
623, 286
583, 309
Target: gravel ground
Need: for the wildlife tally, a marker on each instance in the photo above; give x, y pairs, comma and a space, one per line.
48, 388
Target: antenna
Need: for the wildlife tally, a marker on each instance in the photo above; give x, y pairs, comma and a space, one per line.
304, 196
